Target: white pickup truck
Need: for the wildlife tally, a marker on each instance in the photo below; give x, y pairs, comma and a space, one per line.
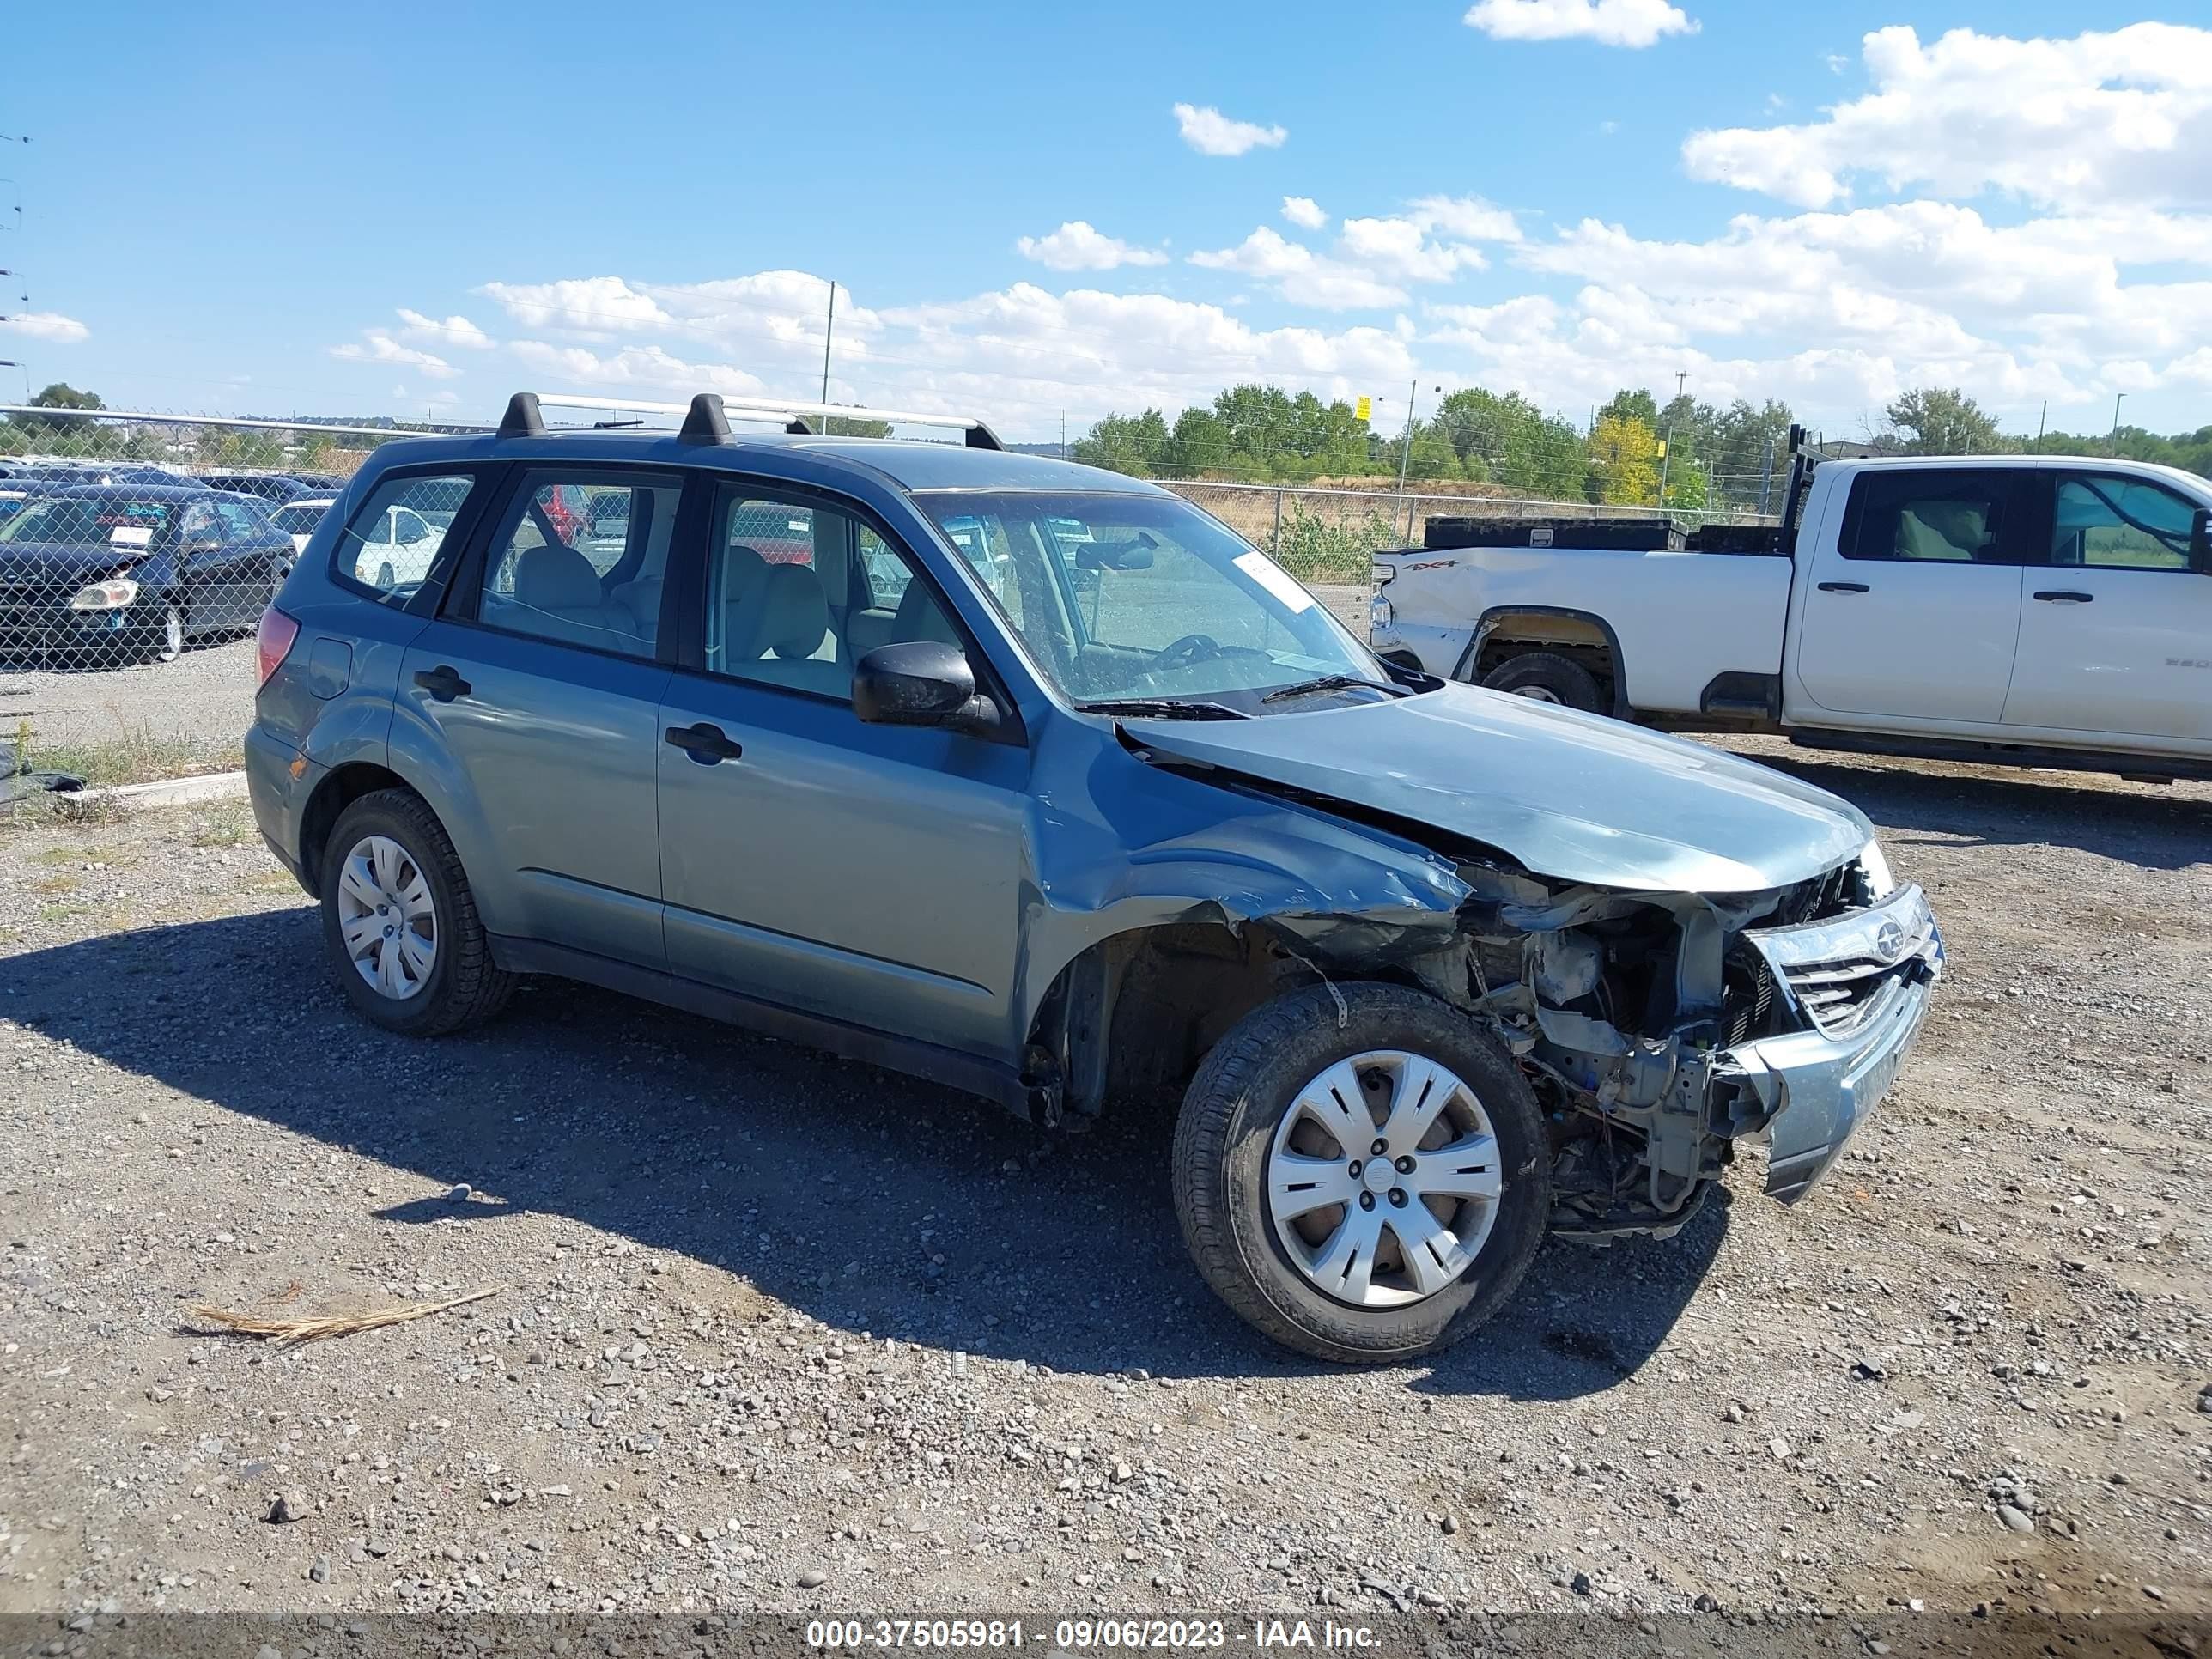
2033, 610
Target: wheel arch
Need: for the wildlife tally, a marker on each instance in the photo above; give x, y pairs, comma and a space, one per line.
342, 786
1140, 1009
1505, 631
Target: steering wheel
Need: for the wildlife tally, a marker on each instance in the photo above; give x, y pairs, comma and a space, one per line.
1182, 652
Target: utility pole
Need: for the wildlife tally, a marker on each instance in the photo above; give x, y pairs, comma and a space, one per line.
2116, 396
1063, 434
829, 328
2041, 420
1766, 478
1405, 450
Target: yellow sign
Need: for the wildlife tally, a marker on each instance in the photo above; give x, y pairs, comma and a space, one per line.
1365, 408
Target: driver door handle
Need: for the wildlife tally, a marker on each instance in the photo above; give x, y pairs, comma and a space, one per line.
442, 682
2064, 596
707, 744
1843, 587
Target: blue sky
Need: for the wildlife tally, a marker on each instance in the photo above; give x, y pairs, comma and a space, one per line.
283, 209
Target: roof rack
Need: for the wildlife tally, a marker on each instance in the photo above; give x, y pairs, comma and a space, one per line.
707, 417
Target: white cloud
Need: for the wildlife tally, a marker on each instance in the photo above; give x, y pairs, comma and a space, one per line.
1303, 212
1077, 246
381, 348
50, 325
2086, 122
1608, 22
1468, 217
452, 332
1401, 248
1210, 132
1301, 276
648, 367
588, 305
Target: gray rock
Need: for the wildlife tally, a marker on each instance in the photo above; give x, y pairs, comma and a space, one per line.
812, 1578
2018, 1519
322, 1572
290, 1504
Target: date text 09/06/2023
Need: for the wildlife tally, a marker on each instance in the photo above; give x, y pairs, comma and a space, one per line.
1076, 1636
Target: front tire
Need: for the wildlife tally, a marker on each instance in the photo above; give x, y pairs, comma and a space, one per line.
1360, 1173
171, 642
400, 923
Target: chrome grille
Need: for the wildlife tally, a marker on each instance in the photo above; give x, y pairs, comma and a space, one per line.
1838, 969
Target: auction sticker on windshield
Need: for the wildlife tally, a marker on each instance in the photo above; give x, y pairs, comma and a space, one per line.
1276, 580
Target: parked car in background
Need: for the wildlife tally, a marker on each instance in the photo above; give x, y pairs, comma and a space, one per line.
275, 487
1437, 969
298, 519
99, 576
2021, 609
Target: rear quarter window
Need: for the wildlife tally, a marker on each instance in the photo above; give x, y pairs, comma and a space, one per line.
393, 538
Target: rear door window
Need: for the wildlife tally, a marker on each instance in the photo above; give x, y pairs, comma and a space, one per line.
1938, 515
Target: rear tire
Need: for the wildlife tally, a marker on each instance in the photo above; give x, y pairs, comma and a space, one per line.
1548, 676
1233, 1155
427, 991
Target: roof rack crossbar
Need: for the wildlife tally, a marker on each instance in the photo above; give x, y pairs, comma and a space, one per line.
789, 416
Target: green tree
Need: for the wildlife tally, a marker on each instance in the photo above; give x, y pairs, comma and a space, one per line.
28, 432
1630, 405
1508, 440
1125, 443
1944, 421
1198, 444
1623, 459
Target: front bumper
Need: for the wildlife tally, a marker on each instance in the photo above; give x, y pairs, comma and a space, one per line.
45, 619
1814, 1087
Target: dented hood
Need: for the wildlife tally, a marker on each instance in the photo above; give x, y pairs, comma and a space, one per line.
1572, 796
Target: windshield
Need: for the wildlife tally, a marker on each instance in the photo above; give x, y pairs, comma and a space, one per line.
74, 521
300, 516
1128, 597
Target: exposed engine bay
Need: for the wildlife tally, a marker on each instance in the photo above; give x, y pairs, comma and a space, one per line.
1638, 1017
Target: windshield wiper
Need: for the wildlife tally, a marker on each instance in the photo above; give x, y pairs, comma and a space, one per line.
1330, 683
1164, 708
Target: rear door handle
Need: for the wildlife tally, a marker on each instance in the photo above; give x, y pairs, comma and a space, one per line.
706, 743
443, 683
1843, 587
2064, 596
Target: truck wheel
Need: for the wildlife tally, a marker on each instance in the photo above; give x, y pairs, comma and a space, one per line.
400, 922
1360, 1172
1547, 677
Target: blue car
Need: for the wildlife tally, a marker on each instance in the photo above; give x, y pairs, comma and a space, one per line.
1037, 781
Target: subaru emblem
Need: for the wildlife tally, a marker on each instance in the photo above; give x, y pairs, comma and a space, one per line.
1889, 941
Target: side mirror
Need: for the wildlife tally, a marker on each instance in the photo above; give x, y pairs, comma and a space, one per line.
916, 683
2200, 541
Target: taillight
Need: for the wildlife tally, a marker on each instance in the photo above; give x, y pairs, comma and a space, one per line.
272, 640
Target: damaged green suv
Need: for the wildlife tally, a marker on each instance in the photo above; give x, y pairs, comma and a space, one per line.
1040, 782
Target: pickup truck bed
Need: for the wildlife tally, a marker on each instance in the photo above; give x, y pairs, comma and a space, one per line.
2038, 610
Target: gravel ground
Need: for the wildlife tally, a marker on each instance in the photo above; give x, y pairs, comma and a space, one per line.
778, 1331
206, 694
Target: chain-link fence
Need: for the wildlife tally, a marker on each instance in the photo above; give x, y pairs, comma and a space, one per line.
1322, 535
136, 554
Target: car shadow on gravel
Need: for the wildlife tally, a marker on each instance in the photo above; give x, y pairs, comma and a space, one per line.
2158, 832
867, 1200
